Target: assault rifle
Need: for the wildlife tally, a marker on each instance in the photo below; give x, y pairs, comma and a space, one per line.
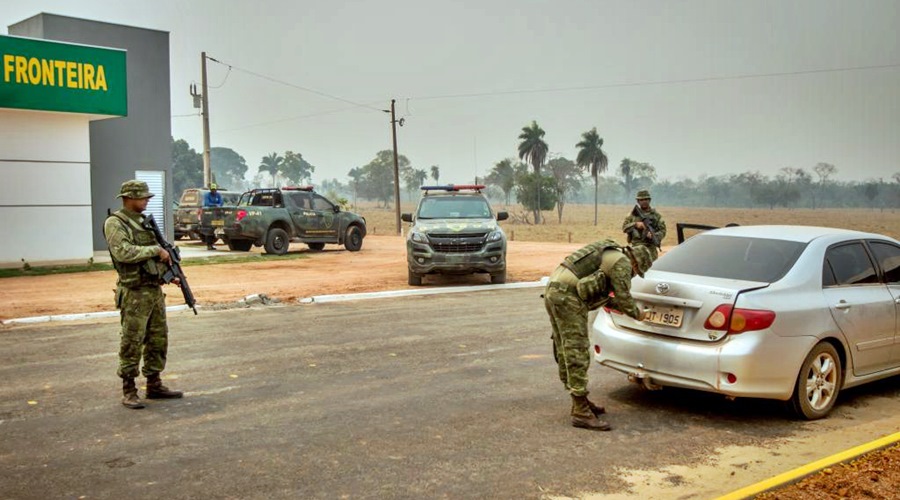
174, 265
649, 233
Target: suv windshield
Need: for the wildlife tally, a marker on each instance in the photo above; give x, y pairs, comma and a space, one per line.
454, 207
732, 257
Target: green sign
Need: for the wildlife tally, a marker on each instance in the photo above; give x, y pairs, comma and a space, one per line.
54, 76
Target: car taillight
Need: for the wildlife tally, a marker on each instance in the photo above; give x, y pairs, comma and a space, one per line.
611, 310
240, 215
735, 321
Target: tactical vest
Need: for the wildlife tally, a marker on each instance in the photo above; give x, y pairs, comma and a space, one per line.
588, 259
132, 275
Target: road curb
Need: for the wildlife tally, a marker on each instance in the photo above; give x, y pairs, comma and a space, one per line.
316, 299
75, 317
811, 468
319, 299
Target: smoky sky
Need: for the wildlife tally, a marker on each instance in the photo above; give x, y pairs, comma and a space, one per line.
691, 87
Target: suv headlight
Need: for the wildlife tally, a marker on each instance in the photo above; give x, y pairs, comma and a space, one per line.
418, 237
495, 236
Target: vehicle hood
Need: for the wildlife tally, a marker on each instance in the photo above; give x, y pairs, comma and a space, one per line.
461, 226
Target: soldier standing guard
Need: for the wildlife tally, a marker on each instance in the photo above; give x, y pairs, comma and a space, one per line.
140, 262
582, 283
636, 229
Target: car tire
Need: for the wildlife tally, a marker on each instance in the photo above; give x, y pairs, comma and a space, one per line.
277, 241
354, 239
818, 383
316, 246
499, 278
413, 279
178, 236
240, 245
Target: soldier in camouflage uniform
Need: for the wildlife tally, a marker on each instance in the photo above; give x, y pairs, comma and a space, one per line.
638, 235
582, 283
140, 262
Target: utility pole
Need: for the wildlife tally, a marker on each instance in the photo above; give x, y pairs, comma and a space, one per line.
396, 167
207, 175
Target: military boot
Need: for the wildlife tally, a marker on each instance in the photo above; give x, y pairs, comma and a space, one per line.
583, 417
130, 398
595, 409
156, 389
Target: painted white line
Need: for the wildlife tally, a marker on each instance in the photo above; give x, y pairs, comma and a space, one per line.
77, 316
319, 299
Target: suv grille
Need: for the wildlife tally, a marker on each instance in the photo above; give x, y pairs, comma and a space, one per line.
457, 243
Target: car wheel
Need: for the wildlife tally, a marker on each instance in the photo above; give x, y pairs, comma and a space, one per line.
354, 239
499, 278
414, 279
316, 246
277, 241
178, 236
240, 245
818, 383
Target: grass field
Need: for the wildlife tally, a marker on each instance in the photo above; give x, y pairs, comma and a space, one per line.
577, 224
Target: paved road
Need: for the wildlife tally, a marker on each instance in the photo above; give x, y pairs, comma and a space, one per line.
442, 396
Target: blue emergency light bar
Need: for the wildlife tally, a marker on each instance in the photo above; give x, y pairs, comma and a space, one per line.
454, 187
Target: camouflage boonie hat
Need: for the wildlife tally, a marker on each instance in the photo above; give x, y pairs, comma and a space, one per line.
642, 258
643, 194
137, 190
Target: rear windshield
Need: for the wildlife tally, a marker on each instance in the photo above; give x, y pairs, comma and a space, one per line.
732, 257
454, 207
230, 198
190, 198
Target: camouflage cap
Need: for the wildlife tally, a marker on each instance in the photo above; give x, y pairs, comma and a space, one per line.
135, 189
642, 258
643, 194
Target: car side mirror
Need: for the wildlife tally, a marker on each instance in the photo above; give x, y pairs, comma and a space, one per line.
337, 208
406, 217
502, 216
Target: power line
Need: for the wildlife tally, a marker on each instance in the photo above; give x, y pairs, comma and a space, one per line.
293, 85
656, 82
282, 120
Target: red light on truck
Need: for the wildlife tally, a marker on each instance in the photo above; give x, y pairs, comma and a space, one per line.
240, 215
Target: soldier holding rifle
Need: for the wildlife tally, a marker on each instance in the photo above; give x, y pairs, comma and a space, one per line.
141, 263
644, 225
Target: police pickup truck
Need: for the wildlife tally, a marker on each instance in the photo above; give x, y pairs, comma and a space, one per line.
274, 217
454, 231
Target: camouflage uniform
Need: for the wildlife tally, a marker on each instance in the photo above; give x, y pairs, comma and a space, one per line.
568, 299
632, 232
139, 295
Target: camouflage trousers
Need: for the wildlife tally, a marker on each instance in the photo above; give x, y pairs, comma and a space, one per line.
144, 330
571, 345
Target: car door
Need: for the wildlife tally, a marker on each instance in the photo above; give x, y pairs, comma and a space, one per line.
326, 222
860, 304
303, 216
888, 256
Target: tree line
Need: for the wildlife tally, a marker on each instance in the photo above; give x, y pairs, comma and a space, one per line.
540, 178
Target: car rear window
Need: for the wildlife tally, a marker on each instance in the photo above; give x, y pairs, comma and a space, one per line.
732, 257
190, 198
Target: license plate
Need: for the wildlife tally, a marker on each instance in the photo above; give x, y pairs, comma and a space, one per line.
218, 222
665, 316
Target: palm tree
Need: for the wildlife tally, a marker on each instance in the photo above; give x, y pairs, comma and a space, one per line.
533, 149
271, 164
435, 173
591, 155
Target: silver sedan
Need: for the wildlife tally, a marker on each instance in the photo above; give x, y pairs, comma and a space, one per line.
793, 313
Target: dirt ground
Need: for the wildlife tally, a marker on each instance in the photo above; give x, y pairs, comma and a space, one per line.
380, 265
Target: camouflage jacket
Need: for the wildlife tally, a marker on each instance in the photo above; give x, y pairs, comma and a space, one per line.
658, 223
133, 249
612, 278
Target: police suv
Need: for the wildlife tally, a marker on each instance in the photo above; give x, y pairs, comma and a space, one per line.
455, 231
